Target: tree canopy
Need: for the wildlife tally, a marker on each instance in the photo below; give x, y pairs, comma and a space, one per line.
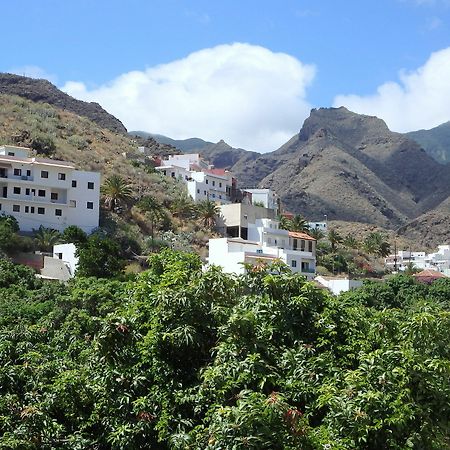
181, 358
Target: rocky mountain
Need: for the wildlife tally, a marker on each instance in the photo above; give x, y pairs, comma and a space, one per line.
436, 141
220, 154
45, 92
352, 168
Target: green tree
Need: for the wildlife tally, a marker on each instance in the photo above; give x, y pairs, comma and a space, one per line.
99, 257
377, 244
208, 212
299, 223
46, 238
115, 190
182, 207
154, 211
350, 242
73, 234
334, 238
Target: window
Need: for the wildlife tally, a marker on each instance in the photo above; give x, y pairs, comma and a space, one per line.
258, 250
0, 206
16, 208
90, 185
310, 246
16, 190
54, 196
41, 210
61, 176
220, 184
90, 205
18, 172
32, 209
58, 212
204, 192
164, 172
206, 181
27, 191
27, 209
74, 183
172, 174
214, 183
198, 191
44, 174
41, 193
73, 203
293, 263
11, 154
28, 173
220, 196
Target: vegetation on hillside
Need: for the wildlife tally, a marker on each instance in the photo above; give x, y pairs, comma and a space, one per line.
62, 135
183, 359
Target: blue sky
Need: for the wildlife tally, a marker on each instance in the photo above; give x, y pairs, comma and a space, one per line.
352, 47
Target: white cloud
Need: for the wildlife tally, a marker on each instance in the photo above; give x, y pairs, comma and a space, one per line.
245, 94
34, 72
419, 100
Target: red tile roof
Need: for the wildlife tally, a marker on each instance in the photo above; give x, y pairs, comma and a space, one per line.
301, 235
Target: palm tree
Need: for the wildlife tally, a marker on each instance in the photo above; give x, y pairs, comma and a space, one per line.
316, 233
208, 212
350, 241
285, 223
334, 238
299, 223
376, 244
46, 238
182, 207
153, 209
115, 190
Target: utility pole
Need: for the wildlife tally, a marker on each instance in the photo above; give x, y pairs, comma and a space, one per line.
395, 255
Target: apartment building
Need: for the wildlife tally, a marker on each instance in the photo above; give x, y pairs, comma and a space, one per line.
265, 197
203, 182
438, 261
38, 191
266, 243
253, 235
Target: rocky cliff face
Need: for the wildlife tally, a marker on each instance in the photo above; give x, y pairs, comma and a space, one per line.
351, 167
436, 142
45, 92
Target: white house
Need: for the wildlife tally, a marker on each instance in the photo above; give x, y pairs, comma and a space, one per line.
266, 242
440, 260
266, 197
66, 253
38, 191
320, 226
203, 182
337, 285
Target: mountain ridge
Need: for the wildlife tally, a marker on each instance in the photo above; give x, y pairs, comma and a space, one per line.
42, 91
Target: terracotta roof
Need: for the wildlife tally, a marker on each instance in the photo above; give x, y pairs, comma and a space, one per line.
429, 273
301, 235
217, 171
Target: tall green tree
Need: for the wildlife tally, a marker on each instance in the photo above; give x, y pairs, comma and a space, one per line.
46, 238
99, 257
208, 213
377, 244
334, 238
115, 190
154, 211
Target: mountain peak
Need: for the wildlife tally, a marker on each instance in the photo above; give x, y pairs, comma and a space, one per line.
40, 90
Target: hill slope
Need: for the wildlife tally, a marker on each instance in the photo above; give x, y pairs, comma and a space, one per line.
436, 141
45, 92
353, 168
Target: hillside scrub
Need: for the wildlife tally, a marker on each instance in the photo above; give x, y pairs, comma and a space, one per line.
178, 358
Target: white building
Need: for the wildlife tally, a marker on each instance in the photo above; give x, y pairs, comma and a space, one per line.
440, 260
266, 197
203, 182
320, 226
338, 285
66, 253
47, 192
266, 242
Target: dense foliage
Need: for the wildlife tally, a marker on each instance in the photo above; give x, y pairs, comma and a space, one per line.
185, 359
